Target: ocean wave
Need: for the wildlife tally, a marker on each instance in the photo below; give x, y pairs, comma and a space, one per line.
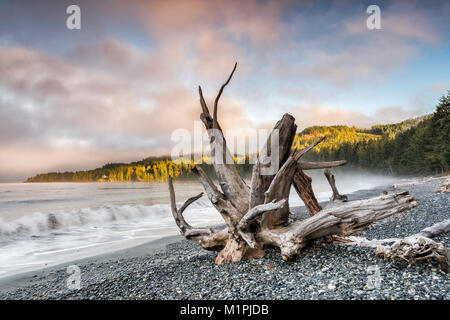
38, 201
41, 223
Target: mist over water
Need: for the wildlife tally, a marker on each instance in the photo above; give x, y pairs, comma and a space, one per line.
44, 224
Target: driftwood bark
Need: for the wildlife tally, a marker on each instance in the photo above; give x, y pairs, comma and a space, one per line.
332, 182
417, 247
303, 183
303, 186
444, 186
258, 215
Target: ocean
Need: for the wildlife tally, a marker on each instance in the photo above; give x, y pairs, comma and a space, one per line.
45, 224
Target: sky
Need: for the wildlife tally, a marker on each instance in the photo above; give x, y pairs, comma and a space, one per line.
116, 89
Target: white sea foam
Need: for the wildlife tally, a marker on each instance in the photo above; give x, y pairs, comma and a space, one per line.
38, 224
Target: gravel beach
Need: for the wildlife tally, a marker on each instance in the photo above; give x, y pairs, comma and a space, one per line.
178, 269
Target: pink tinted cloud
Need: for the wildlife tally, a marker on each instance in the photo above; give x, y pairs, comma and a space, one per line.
252, 20
58, 114
316, 114
109, 94
347, 52
90, 104
401, 21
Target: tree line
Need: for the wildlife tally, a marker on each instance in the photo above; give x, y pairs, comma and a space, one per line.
417, 146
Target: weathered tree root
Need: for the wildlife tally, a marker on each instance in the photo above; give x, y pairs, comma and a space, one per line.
444, 186
258, 215
419, 247
345, 220
416, 248
411, 249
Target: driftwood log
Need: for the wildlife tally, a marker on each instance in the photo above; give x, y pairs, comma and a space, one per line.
414, 248
257, 215
444, 186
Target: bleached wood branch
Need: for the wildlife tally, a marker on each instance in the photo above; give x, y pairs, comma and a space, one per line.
419, 247
260, 182
303, 186
332, 182
344, 219
280, 188
254, 213
186, 229
444, 186
416, 247
233, 186
259, 215
308, 165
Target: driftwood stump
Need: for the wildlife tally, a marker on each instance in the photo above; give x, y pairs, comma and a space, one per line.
258, 215
444, 186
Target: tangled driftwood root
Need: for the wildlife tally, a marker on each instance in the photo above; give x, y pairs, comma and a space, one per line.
416, 248
412, 249
420, 247
444, 187
258, 215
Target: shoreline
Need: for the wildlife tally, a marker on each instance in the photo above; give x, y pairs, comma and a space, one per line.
24, 278
178, 264
146, 248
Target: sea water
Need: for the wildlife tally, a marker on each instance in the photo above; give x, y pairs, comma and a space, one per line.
45, 224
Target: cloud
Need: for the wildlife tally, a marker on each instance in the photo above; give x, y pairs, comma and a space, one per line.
129, 78
255, 21
402, 20
316, 114
52, 104
18, 162
334, 45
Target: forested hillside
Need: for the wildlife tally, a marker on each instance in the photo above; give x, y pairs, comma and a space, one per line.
417, 146
150, 169
413, 147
